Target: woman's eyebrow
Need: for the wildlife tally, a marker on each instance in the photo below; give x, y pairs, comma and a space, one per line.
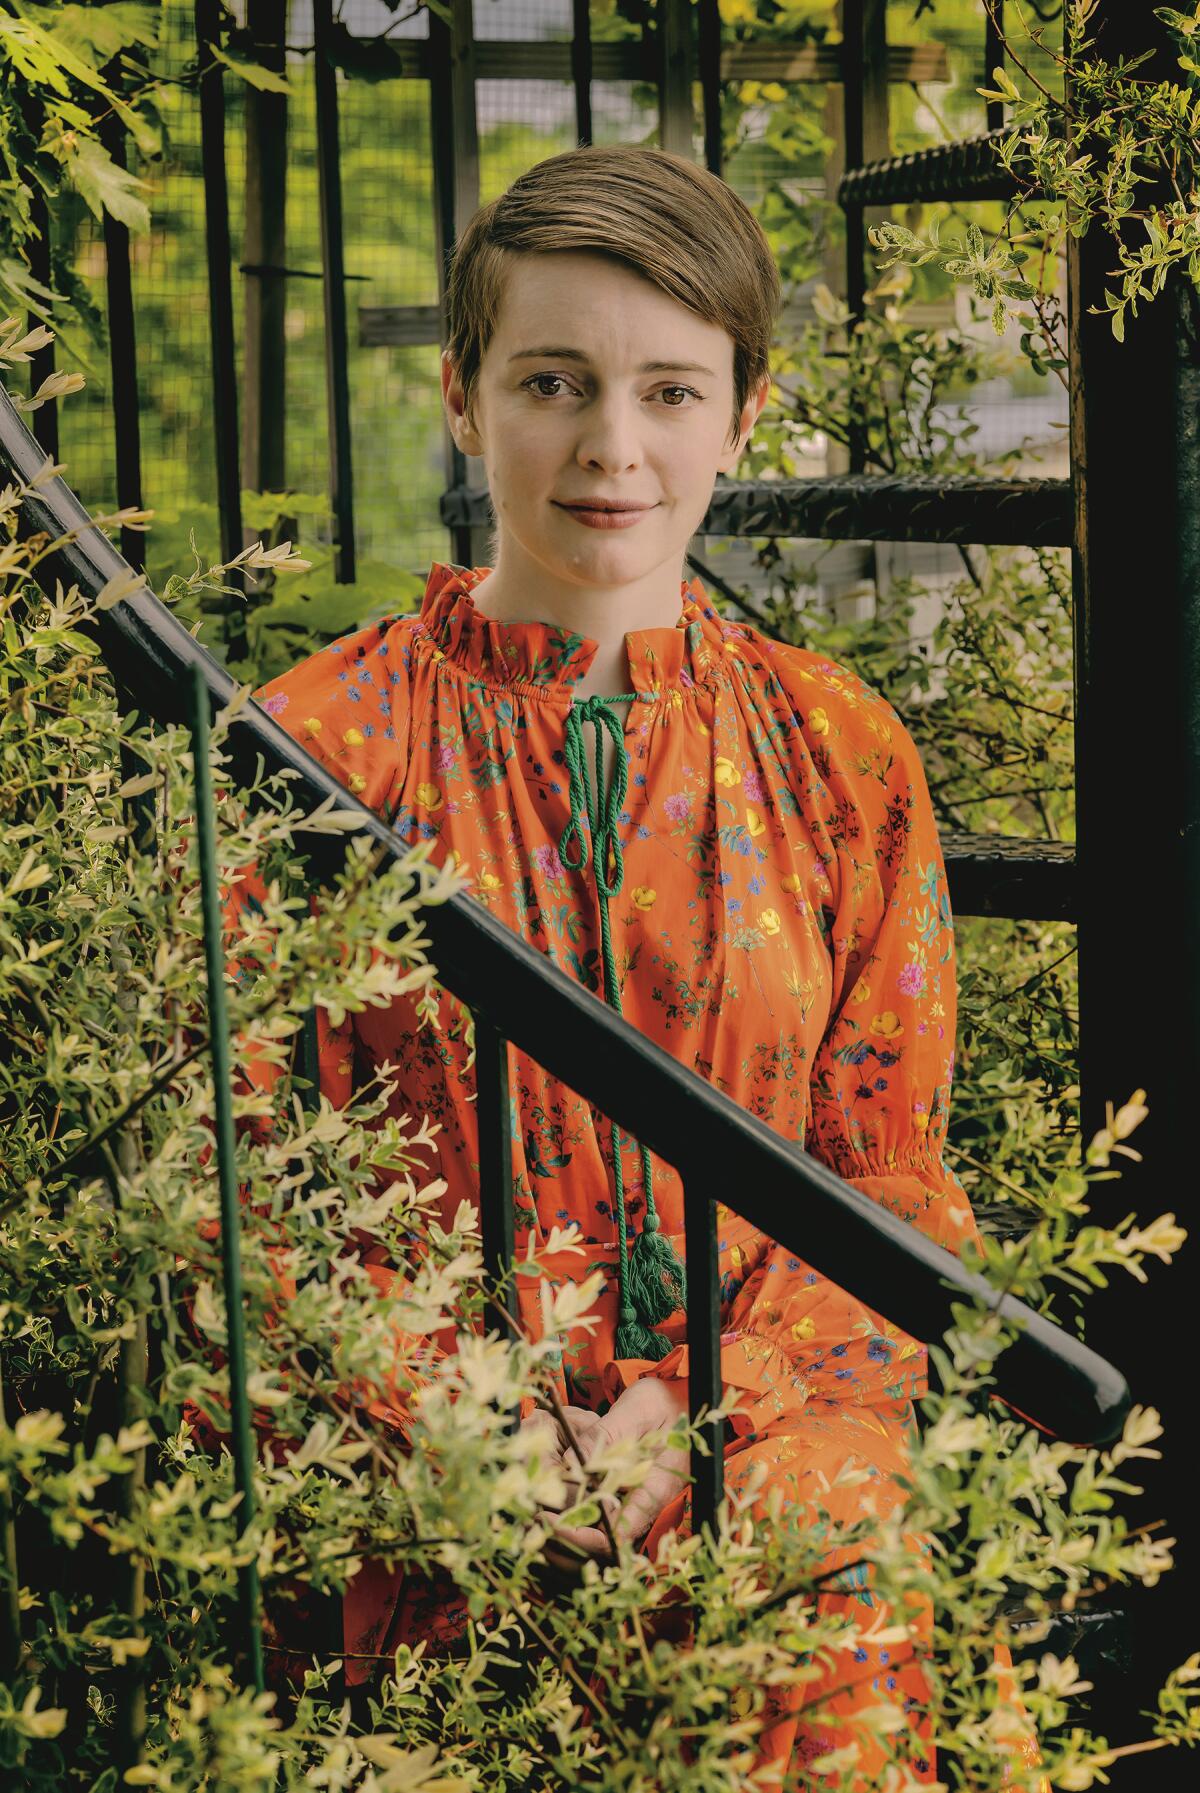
647, 367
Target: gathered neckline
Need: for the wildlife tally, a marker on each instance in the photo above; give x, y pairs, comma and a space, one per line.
545, 660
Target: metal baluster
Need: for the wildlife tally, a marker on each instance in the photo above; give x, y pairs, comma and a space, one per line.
11, 1648
993, 57
704, 1354
224, 389
231, 1261
333, 263
495, 1167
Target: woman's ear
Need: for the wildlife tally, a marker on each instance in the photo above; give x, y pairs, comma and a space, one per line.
746, 422
466, 436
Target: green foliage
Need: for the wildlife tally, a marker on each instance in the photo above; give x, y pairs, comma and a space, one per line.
120, 1509
1106, 147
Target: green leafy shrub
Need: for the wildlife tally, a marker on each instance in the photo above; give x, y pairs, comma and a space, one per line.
126, 1669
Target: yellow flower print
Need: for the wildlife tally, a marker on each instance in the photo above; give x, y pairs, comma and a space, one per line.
644, 897
818, 721
488, 881
455, 861
429, 797
357, 782
353, 737
804, 1329
792, 883
755, 823
768, 921
313, 726
801, 988
726, 771
861, 991
920, 1120
887, 1024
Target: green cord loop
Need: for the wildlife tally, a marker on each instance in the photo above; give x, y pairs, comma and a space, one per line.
653, 1282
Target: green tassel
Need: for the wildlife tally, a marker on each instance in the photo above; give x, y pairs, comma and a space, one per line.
656, 1282
635, 1340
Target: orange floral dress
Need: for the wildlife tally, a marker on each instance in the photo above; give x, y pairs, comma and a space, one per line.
783, 927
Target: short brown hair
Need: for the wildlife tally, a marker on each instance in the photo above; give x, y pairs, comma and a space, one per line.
681, 227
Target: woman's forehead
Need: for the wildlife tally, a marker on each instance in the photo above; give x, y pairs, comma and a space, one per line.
590, 309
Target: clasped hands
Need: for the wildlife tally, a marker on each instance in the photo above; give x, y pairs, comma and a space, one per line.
652, 1404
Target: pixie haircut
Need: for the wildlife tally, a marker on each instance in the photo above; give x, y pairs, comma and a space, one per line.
681, 227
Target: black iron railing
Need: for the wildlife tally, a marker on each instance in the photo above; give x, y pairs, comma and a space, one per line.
518, 995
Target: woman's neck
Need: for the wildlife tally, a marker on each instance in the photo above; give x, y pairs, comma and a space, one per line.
605, 617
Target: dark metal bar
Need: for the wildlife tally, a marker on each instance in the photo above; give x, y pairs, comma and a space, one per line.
993, 57
852, 139
11, 1646
333, 259
133, 1362
454, 145
220, 307
1047, 1374
264, 248
494, 1117
705, 1387
122, 354
1137, 648
1025, 880
964, 171
581, 68
708, 70
636, 59
850, 507
231, 1216
670, 25
44, 420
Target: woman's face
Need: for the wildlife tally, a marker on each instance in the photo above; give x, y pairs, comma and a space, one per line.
598, 385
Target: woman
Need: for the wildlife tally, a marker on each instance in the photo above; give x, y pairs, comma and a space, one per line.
760, 887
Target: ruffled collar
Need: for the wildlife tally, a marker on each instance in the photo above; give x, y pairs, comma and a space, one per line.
549, 660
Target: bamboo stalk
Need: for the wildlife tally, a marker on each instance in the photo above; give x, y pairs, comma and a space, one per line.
231, 1261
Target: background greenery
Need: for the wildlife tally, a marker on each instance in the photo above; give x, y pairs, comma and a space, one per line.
978, 662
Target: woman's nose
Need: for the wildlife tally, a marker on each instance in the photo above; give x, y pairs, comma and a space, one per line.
610, 438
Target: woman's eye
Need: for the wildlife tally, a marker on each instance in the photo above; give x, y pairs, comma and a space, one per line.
559, 380
556, 379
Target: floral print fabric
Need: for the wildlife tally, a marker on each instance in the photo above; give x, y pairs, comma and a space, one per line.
783, 929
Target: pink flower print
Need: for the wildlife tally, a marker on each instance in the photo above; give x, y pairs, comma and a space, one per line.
678, 807
548, 862
275, 706
752, 784
444, 759
912, 979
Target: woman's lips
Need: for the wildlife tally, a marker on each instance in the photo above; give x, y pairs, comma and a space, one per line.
594, 519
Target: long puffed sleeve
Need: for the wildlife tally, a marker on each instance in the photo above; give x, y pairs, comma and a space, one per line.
880, 1079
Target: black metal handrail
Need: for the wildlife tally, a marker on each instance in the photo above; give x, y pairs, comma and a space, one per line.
861, 507
517, 994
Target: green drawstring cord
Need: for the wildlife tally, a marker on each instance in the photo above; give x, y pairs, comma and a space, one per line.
652, 1282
